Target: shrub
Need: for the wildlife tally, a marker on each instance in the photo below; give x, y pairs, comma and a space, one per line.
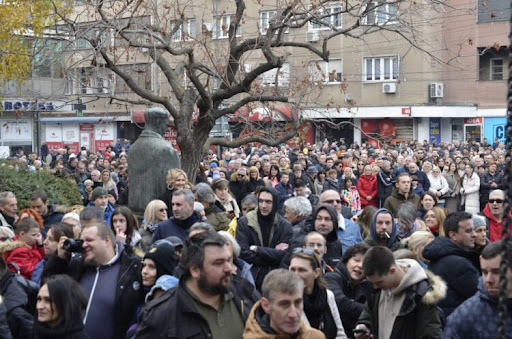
22, 182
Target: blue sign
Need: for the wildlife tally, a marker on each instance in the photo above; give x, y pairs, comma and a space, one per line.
494, 128
434, 129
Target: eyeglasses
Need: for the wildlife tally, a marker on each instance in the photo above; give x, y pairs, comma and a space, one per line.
162, 210
240, 175
492, 201
307, 251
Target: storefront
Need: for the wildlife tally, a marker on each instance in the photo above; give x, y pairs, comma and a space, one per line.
473, 129
390, 131
494, 128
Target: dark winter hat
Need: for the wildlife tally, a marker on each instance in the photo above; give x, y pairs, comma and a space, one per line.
163, 256
98, 192
175, 241
312, 169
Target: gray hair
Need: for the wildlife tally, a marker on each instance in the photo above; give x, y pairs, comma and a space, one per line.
407, 213
204, 193
7, 232
234, 243
201, 226
281, 281
299, 205
72, 215
198, 207
189, 196
496, 192
5, 195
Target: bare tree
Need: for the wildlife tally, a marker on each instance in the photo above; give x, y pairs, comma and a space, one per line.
168, 53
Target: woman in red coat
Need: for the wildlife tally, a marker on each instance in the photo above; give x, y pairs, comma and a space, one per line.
367, 188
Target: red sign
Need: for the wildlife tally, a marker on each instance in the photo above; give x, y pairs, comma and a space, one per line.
406, 111
473, 121
170, 135
74, 146
86, 127
54, 145
101, 145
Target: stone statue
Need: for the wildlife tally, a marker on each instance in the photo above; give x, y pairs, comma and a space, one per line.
149, 160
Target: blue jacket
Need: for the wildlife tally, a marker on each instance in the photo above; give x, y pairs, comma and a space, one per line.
51, 217
174, 227
351, 235
108, 212
476, 318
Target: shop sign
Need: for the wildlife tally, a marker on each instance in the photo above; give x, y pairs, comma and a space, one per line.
435, 130
473, 121
17, 129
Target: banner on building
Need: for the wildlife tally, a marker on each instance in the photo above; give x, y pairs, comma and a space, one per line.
435, 130
16, 129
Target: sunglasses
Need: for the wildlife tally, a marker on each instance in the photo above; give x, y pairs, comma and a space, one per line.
2, 239
240, 175
332, 201
162, 210
492, 201
307, 251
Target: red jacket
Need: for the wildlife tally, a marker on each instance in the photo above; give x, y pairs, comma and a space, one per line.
23, 255
367, 185
494, 225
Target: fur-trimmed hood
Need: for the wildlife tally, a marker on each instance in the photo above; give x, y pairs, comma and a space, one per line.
438, 291
12, 245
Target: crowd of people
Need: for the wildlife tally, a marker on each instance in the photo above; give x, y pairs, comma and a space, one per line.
313, 241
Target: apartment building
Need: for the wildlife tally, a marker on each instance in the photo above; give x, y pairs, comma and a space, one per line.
442, 78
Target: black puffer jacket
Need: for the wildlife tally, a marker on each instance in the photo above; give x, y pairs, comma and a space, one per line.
15, 300
457, 267
350, 299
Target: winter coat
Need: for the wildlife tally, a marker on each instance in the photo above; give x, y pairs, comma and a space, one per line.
418, 317
422, 179
385, 184
438, 183
334, 247
319, 186
265, 259
5, 332
476, 318
457, 267
485, 184
74, 332
174, 314
333, 309
350, 299
238, 188
471, 196
15, 299
175, 227
23, 255
252, 186
53, 216
216, 216
367, 186
129, 293
330, 184
396, 199
230, 205
108, 211
258, 327
454, 183
285, 192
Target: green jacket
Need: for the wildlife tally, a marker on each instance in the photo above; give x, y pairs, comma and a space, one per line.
396, 199
419, 316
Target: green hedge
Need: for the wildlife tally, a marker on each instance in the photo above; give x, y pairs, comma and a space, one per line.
60, 190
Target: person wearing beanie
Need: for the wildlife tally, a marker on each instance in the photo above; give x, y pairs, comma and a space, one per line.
480, 227
99, 198
158, 261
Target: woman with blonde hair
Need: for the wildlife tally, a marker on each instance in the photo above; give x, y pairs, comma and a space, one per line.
108, 182
434, 219
175, 180
417, 242
254, 180
155, 212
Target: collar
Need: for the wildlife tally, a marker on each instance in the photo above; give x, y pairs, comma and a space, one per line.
341, 222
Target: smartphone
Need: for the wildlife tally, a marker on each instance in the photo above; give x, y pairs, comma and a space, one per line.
360, 330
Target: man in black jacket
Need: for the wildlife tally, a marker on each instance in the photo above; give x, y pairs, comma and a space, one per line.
264, 235
109, 274
206, 303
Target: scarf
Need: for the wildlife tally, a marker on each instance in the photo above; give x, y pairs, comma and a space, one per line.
318, 312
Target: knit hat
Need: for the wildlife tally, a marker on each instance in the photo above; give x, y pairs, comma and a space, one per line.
312, 169
162, 253
478, 221
213, 165
98, 192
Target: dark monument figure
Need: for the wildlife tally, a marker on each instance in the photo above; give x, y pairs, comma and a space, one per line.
149, 160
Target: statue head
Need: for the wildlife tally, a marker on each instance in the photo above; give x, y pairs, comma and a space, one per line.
157, 120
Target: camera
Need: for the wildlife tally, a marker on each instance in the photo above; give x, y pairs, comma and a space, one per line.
73, 245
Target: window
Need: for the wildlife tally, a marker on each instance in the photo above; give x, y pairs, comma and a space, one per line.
187, 31
88, 80
283, 76
221, 27
380, 12
265, 18
332, 21
326, 72
85, 33
46, 58
380, 68
497, 69
140, 73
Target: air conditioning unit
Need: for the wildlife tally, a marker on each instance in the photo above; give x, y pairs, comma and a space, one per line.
436, 90
389, 87
312, 36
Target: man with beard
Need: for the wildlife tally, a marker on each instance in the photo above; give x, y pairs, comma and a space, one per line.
109, 274
204, 304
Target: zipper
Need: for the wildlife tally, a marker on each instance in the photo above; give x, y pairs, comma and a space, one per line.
92, 294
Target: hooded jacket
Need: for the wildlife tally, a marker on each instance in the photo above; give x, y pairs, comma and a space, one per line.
23, 255
53, 216
396, 199
494, 226
350, 299
249, 233
334, 248
477, 318
417, 316
455, 265
258, 327
367, 186
372, 239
